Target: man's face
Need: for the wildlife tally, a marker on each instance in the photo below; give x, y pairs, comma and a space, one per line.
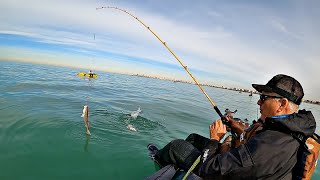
269, 104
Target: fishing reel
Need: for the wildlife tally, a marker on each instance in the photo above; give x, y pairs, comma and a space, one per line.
230, 114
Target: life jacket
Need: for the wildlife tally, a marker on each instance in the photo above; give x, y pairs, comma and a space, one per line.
247, 134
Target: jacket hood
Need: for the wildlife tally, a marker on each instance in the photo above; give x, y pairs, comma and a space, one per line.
302, 122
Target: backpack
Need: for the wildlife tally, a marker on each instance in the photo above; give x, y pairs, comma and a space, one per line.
308, 151
308, 154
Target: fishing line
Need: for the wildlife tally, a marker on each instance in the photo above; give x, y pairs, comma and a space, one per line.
176, 57
92, 68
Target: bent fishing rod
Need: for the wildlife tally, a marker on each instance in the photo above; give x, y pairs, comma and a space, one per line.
176, 57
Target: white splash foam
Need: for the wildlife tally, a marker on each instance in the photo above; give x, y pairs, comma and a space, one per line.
136, 113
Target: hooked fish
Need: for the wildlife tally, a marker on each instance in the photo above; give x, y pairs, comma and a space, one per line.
130, 127
85, 115
136, 113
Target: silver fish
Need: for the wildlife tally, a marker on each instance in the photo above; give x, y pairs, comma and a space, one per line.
130, 127
85, 115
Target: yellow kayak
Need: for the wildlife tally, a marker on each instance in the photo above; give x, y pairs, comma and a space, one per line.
88, 75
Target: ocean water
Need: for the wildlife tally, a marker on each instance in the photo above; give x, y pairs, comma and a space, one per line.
42, 135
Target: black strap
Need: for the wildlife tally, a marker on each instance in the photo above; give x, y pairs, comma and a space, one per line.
287, 95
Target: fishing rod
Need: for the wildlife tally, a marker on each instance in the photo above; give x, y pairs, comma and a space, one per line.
177, 58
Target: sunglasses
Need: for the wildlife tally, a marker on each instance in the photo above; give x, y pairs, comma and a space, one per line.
264, 97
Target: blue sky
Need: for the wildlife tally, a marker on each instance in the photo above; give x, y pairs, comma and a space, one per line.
230, 43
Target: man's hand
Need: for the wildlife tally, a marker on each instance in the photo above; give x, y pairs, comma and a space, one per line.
236, 126
217, 130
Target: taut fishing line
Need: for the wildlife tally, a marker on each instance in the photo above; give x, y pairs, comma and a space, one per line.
177, 58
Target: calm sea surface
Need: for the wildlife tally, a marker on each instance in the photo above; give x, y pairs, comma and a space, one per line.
42, 135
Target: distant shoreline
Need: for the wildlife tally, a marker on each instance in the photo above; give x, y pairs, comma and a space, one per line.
220, 87
161, 78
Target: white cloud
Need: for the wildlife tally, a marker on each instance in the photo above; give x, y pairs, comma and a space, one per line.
282, 28
220, 46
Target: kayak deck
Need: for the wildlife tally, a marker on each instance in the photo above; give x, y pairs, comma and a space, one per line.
87, 75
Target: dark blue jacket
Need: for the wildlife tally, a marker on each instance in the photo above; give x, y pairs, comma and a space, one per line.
270, 154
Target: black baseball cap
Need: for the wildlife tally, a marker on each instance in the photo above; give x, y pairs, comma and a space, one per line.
283, 85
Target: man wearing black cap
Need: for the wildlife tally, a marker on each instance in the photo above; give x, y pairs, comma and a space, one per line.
282, 89
271, 153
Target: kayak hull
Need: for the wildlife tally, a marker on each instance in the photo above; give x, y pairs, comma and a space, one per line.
87, 75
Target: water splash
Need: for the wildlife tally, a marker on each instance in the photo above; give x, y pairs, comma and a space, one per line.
136, 113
